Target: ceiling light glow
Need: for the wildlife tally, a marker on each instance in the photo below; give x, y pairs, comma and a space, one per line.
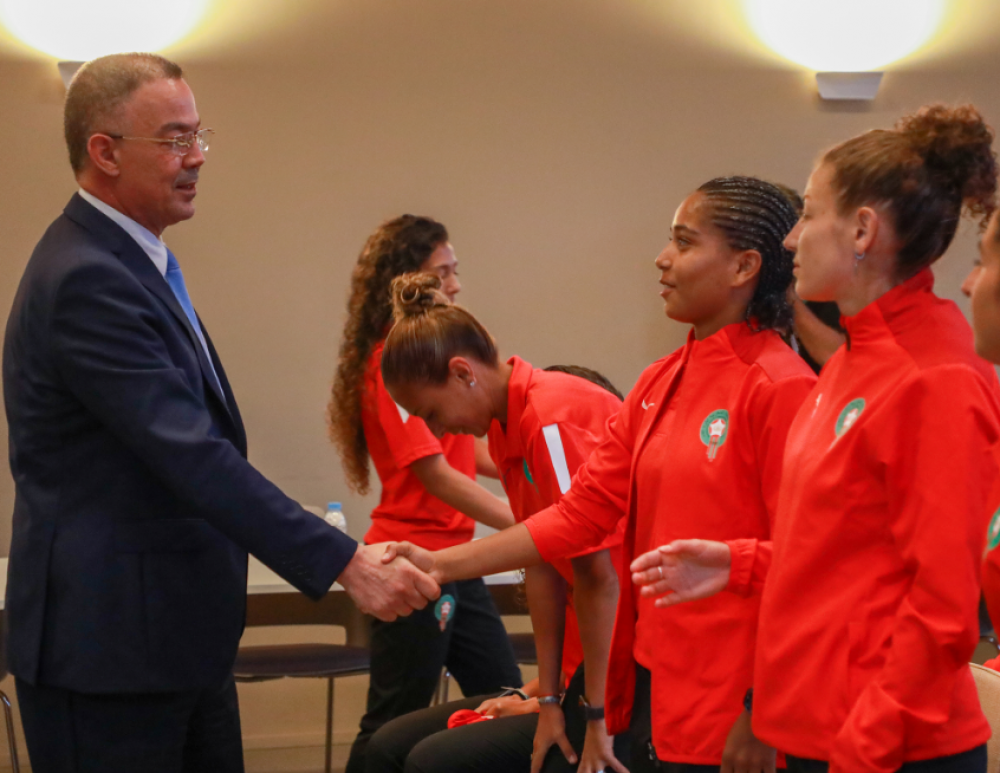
844, 35
80, 30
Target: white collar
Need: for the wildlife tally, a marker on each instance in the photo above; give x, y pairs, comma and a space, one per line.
151, 244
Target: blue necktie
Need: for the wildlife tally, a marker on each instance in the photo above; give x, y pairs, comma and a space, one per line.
175, 279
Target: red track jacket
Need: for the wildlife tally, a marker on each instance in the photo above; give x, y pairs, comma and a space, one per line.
695, 452
868, 617
554, 421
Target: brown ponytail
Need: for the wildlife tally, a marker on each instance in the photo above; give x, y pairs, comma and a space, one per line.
428, 332
923, 173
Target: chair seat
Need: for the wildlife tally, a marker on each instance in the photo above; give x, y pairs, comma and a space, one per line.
291, 660
524, 648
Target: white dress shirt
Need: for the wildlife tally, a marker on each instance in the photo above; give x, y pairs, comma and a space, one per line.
152, 245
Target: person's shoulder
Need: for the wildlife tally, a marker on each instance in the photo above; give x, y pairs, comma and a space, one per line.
556, 398
779, 363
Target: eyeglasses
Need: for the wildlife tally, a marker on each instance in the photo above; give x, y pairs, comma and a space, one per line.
179, 146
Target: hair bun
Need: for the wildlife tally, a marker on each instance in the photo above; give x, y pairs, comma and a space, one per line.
957, 147
415, 294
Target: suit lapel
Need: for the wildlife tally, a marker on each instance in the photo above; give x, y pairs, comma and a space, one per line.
137, 261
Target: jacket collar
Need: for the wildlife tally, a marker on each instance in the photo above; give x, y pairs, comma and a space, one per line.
517, 400
891, 310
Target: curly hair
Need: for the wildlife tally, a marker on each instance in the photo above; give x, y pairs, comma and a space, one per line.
757, 215
398, 246
923, 172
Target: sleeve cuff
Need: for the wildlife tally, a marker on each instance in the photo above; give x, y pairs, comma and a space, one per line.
742, 554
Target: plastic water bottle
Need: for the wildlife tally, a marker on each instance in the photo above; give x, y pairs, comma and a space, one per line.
335, 516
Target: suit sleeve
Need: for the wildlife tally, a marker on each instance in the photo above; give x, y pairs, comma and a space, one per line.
774, 407
939, 472
408, 437
109, 348
590, 510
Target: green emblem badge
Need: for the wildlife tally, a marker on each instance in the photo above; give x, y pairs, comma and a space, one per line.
851, 413
527, 473
993, 533
714, 431
443, 610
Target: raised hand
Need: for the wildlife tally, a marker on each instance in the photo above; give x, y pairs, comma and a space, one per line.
419, 557
686, 570
386, 591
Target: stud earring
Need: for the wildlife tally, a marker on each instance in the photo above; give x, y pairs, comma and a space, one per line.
472, 383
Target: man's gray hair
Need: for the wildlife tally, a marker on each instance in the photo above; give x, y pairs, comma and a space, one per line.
99, 90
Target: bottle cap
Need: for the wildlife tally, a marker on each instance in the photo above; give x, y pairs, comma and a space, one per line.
333, 506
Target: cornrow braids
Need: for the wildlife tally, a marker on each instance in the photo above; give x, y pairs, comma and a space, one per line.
756, 215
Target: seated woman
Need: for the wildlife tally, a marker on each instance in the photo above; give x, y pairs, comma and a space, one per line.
696, 447
440, 364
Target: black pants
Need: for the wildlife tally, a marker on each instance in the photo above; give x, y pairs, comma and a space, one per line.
409, 653
196, 731
420, 743
644, 759
972, 761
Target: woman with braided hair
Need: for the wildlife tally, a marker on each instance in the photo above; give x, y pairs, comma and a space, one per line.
697, 446
869, 610
428, 492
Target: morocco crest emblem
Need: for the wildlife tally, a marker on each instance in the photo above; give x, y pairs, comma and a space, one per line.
714, 431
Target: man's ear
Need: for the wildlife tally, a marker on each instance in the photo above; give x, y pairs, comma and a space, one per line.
748, 263
103, 153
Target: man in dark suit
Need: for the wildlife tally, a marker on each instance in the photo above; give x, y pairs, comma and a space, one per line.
135, 504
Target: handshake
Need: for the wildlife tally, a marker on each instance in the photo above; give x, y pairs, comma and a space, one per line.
391, 579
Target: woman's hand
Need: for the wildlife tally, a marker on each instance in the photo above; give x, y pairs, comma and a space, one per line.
598, 751
686, 569
551, 731
419, 557
507, 706
744, 753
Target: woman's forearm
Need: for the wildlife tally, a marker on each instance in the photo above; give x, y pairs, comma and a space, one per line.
595, 597
461, 492
510, 549
546, 591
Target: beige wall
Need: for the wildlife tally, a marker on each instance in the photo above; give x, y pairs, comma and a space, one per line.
553, 137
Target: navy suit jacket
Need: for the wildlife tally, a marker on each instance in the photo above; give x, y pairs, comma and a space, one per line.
135, 504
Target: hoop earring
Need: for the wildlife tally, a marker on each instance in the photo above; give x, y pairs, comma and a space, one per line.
858, 257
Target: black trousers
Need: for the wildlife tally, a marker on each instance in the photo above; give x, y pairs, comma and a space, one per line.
972, 761
421, 743
644, 759
195, 731
407, 656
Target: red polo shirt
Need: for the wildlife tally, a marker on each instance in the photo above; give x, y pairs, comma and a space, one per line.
868, 617
554, 421
395, 441
695, 452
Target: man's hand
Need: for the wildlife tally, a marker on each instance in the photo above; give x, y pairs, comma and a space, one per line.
419, 557
686, 569
386, 591
598, 751
744, 753
551, 731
